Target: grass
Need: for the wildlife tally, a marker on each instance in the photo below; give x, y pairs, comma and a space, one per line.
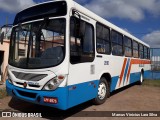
155, 83
3, 93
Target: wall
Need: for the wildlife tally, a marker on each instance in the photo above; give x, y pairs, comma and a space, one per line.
5, 48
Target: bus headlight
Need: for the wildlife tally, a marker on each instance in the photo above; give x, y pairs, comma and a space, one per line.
54, 83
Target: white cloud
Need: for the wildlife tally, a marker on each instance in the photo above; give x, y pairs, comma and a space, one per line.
153, 39
125, 9
15, 5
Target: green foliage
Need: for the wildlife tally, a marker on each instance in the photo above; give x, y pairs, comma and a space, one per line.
3, 93
155, 83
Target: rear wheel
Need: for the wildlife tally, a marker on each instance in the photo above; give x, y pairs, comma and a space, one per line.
141, 78
103, 92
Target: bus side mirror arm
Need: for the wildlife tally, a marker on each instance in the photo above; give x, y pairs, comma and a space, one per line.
81, 25
2, 37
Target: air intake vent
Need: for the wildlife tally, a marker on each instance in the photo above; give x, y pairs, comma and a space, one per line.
29, 76
27, 94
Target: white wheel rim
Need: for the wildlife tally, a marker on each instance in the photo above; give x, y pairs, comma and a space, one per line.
141, 78
102, 91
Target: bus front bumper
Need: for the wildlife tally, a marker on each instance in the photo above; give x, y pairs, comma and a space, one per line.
56, 99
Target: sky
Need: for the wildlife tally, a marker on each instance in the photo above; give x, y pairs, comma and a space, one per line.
139, 17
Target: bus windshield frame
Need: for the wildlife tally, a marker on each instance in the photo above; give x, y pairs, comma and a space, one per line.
39, 44
29, 38
51, 9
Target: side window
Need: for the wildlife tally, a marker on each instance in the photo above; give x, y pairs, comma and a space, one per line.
81, 41
103, 39
145, 52
128, 46
117, 43
141, 51
135, 49
148, 53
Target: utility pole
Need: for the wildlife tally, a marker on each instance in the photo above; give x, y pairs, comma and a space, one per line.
6, 27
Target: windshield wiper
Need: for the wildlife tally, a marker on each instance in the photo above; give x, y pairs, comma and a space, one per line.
38, 36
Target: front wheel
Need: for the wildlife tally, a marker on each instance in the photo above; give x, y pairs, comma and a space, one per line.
103, 92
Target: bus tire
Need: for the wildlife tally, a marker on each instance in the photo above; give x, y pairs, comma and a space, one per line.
141, 78
103, 92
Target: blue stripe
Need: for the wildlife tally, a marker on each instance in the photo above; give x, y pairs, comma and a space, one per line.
126, 70
134, 77
114, 83
82, 93
68, 96
60, 93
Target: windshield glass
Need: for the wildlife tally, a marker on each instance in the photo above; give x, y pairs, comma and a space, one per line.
38, 45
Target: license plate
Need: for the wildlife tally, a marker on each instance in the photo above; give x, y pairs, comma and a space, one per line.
50, 100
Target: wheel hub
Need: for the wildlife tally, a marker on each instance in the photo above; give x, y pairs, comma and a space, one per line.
102, 91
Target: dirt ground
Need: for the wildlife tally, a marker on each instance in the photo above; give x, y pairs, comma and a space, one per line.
133, 98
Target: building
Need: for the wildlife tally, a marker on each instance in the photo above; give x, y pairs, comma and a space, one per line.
4, 50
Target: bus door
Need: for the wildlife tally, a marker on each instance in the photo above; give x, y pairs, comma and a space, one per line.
82, 68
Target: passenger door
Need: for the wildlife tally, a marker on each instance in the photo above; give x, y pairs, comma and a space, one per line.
81, 83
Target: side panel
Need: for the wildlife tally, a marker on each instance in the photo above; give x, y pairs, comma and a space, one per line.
132, 71
83, 85
123, 70
82, 92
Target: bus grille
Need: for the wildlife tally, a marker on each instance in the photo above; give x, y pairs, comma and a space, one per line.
29, 76
36, 86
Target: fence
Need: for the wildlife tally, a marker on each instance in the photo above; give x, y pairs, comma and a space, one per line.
155, 63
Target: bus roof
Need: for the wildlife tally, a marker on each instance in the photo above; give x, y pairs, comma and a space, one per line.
92, 15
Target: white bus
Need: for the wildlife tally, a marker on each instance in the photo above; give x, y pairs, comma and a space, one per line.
62, 54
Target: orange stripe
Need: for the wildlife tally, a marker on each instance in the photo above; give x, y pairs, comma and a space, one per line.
129, 70
137, 61
122, 71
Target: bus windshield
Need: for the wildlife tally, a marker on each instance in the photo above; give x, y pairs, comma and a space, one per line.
38, 44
